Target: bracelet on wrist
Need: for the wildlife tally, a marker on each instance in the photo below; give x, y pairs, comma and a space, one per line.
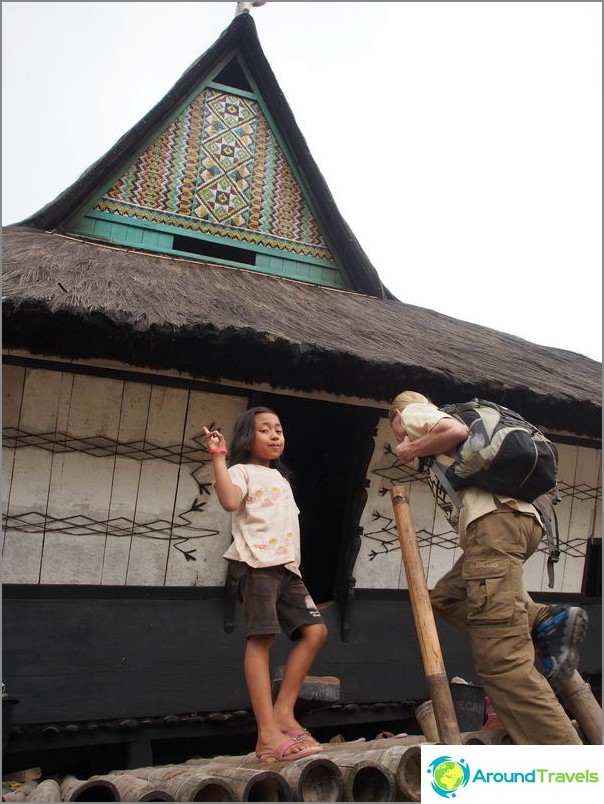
217, 451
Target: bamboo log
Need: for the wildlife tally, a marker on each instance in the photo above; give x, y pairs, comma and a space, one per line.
404, 762
313, 778
73, 789
131, 788
486, 737
578, 698
22, 792
185, 783
307, 777
222, 779
251, 784
48, 790
436, 677
401, 755
195, 788
424, 714
150, 773
369, 781
186, 787
364, 779
380, 742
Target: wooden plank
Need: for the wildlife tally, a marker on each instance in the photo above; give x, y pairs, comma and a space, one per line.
27, 508
155, 503
202, 529
80, 486
13, 378
125, 482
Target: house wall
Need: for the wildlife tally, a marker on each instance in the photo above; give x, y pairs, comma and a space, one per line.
378, 564
114, 599
107, 481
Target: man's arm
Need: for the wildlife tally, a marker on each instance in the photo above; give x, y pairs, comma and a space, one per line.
442, 438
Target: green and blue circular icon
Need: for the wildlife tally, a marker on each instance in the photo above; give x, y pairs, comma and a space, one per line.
448, 775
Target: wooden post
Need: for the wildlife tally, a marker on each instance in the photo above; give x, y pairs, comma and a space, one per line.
578, 698
436, 676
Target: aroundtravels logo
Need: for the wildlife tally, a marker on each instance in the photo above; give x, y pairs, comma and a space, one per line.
573, 769
448, 776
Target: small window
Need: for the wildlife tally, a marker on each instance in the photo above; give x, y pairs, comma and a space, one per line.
233, 76
216, 251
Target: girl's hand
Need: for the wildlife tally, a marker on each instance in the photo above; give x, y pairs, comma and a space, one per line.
215, 441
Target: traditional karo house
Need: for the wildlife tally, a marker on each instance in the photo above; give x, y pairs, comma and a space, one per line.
198, 268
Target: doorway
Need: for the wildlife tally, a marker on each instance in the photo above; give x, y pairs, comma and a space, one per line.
328, 447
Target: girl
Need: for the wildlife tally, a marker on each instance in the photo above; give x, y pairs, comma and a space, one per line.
265, 556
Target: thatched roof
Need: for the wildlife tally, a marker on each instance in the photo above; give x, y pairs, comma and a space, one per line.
74, 299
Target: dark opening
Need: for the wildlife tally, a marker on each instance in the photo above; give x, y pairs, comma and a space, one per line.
216, 251
592, 574
328, 447
233, 76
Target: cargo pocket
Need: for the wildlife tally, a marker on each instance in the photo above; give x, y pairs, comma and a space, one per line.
490, 592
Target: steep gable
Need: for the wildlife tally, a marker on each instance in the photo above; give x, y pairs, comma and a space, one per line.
219, 171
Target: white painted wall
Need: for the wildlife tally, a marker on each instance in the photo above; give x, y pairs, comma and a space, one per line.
106, 481
379, 563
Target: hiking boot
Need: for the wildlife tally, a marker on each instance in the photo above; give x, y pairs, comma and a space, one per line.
556, 640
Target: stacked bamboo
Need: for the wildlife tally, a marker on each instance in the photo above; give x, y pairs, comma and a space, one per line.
386, 769
378, 770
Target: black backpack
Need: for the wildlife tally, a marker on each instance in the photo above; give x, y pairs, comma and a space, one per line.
503, 454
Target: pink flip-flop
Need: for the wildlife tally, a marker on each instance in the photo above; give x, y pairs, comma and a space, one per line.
279, 755
299, 734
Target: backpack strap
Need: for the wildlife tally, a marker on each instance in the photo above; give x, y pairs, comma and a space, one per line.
552, 535
432, 464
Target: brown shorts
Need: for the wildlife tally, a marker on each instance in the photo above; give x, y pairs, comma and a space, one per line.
274, 600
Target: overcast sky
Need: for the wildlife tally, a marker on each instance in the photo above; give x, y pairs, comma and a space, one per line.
462, 142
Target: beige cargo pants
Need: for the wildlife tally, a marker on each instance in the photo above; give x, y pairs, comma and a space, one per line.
484, 594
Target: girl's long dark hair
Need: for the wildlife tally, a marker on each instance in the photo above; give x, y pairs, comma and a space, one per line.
243, 436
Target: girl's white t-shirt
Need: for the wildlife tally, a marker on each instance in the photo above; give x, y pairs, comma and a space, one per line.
265, 527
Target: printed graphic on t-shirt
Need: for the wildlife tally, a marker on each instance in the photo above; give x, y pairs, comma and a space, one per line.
270, 497
264, 497
278, 545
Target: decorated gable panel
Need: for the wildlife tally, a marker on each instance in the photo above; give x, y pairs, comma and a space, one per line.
218, 170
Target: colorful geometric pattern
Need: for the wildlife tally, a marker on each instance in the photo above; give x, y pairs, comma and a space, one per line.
218, 169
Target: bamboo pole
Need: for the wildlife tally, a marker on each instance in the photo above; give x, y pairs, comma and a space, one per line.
73, 789
364, 779
379, 742
486, 737
312, 778
131, 788
434, 668
401, 755
48, 790
578, 698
